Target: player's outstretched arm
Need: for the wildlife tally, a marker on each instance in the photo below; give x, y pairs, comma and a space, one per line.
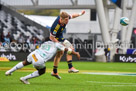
69, 50
77, 54
78, 14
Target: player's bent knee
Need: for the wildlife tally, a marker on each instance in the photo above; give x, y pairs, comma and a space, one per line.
42, 71
60, 53
25, 62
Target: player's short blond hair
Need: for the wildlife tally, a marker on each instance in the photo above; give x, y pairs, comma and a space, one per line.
64, 15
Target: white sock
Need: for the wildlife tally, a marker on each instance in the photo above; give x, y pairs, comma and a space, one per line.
16, 67
34, 74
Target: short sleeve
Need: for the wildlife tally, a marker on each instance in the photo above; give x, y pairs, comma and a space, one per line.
53, 31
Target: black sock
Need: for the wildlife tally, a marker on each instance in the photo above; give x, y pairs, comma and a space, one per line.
55, 69
70, 64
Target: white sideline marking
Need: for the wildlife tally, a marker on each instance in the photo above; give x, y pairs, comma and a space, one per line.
109, 73
110, 82
118, 85
123, 68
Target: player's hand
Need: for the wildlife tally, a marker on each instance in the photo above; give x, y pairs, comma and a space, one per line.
78, 55
83, 12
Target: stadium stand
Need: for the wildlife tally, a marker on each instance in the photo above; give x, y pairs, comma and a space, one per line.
15, 27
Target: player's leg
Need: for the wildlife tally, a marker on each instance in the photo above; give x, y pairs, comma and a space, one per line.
56, 62
37, 73
69, 61
16, 67
70, 66
69, 57
38, 63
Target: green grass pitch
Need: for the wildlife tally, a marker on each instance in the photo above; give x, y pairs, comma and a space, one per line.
93, 76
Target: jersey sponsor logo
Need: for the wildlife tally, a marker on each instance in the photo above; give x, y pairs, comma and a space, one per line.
57, 27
